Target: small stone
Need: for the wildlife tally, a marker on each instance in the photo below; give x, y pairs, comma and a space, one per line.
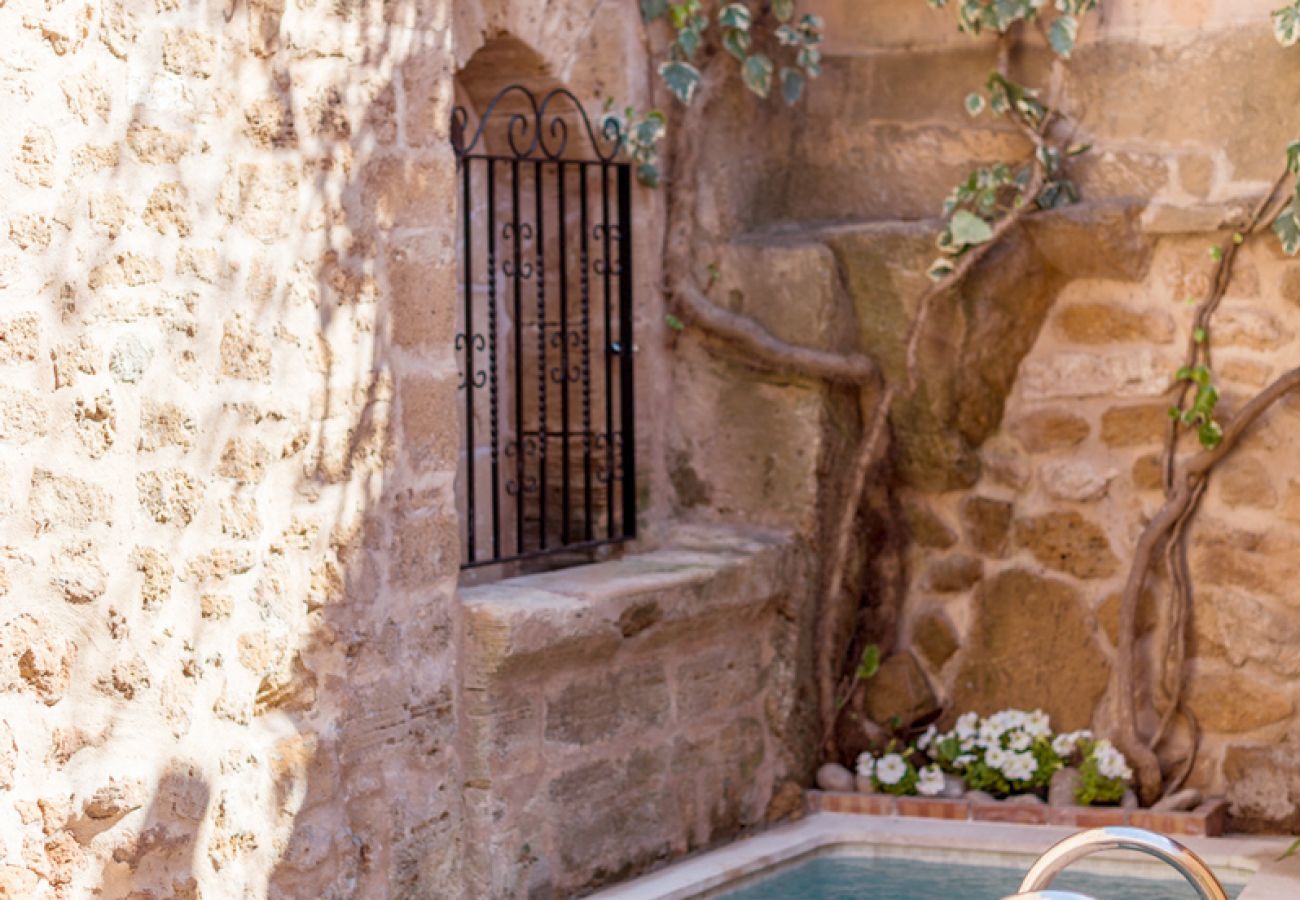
900, 691
1129, 800
980, 797
96, 422
77, 573
1135, 426
935, 638
1244, 481
115, 799
1106, 323
1075, 480
1067, 542
20, 338
189, 53
168, 209
1180, 801
1050, 429
244, 460
954, 574
153, 145
157, 573
245, 352
987, 523
129, 359
73, 359
1064, 787
954, 787
863, 784
926, 527
169, 495
834, 777
1149, 473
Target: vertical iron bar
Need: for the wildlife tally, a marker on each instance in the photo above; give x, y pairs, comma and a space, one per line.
628, 346
564, 356
585, 281
519, 358
540, 231
469, 362
493, 396
609, 351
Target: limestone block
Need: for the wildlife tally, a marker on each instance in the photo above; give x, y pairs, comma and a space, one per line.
20, 338
1140, 373
1067, 542
1050, 429
987, 523
1075, 480
899, 691
61, 501
935, 639
1230, 702
954, 574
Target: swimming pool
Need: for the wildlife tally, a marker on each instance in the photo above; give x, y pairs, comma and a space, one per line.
834, 856
847, 877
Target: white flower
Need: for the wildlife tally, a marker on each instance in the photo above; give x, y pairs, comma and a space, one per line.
930, 781
1066, 743
866, 765
1038, 724
1020, 766
967, 725
996, 758
1110, 762
931, 734
890, 769
964, 760
1019, 740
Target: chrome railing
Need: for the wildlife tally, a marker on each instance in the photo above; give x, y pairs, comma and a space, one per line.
1099, 840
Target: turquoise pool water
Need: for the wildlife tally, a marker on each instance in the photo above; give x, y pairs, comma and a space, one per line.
868, 878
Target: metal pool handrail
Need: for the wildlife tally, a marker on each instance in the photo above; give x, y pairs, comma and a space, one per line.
1099, 840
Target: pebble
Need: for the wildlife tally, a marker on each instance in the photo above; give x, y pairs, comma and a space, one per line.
834, 777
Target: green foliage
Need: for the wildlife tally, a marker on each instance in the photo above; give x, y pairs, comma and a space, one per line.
1290, 851
1287, 224
1095, 788
639, 137
1200, 414
978, 16
1286, 24
756, 71
869, 665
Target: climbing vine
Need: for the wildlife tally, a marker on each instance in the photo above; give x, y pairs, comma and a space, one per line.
775, 50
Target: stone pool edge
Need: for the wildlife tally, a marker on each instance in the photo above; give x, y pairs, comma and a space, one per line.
703, 875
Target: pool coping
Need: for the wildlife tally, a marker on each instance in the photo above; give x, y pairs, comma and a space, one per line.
706, 874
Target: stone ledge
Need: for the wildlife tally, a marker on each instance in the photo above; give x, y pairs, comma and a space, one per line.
702, 572
1207, 820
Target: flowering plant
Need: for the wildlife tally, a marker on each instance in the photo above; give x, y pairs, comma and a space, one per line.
1010, 752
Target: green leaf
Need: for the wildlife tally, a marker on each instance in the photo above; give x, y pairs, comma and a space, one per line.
811, 60
1063, 34
1200, 336
783, 10
689, 40
974, 103
1287, 228
653, 9
1293, 157
648, 174
1286, 25
756, 72
792, 82
736, 42
682, 79
1078, 149
939, 269
788, 36
968, 228
735, 15
870, 662
1216, 253
674, 323
1290, 851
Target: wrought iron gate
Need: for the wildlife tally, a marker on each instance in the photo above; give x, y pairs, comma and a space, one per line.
545, 345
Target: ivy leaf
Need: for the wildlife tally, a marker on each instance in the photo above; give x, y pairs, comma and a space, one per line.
974, 104
783, 10
1293, 157
811, 60
1287, 228
1063, 34
788, 36
968, 229
674, 323
939, 269
736, 42
653, 9
756, 71
1286, 25
682, 79
648, 174
689, 40
791, 85
734, 15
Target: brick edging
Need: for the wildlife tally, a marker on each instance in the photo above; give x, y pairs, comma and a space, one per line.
1207, 820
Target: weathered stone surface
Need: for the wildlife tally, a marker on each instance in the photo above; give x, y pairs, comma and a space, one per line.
1263, 787
1108, 616
954, 574
245, 352
1231, 702
1066, 675
170, 496
834, 777
1139, 373
24, 415
1064, 789
1244, 480
987, 522
587, 712
926, 527
1050, 429
1148, 472
1107, 323
1179, 801
20, 338
1075, 480
77, 572
900, 691
64, 501
935, 638
1135, 426
1067, 542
